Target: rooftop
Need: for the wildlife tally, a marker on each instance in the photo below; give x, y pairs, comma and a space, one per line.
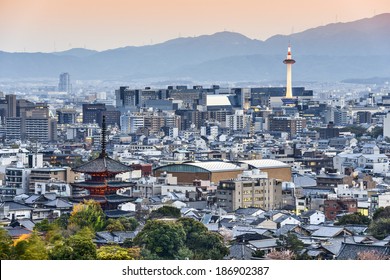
265, 163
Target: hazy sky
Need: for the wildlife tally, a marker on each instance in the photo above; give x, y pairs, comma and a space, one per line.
48, 25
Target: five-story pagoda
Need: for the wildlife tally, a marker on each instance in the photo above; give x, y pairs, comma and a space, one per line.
100, 182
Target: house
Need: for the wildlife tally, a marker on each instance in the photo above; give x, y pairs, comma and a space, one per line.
117, 237
250, 211
327, 232
291, 228
14, 210
265, 245
240, 252
351, 251
287, 220
313, 217
264, 223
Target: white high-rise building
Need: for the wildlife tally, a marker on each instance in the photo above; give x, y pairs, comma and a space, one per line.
64, 83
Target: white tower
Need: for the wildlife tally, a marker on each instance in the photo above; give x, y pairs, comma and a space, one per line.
289, 62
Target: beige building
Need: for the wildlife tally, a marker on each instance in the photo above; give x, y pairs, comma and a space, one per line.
50, 174
250, 191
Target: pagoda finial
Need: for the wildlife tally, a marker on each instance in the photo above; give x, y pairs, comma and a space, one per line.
103, 152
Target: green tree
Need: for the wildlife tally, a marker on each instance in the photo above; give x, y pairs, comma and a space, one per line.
32, 248
381, 212
61, 251
203, 244
165, 212
82, 245
376, 131
114, 225
130, 224
355, 129
291, 242
161, 238
6, 245
113, 252
353, 219
380, 228
208, 245
88, 214
43, 226
62, 221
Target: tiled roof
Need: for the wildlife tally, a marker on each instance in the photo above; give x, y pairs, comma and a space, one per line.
13, 206
102, 164
59, 203
239, 252
351, 251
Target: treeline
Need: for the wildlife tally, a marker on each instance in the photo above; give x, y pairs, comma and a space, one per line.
71, 237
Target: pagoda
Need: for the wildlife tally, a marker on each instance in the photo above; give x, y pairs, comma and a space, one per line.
100, 183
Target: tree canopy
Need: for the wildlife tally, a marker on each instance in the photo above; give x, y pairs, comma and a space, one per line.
88, 214
165, 212
162, 238
353, 219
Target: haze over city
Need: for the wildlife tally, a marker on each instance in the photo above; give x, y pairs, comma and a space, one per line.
47, 26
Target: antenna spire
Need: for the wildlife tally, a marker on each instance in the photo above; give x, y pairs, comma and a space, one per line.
103, 153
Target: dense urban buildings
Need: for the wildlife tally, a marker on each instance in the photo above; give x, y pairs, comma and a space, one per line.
258, 162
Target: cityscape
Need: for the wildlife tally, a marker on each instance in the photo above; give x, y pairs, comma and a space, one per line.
184, 162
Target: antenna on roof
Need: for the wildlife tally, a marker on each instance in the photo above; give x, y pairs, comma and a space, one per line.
103, 153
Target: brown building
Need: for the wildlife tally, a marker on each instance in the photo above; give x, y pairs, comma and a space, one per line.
334, 207
331, 180
287, 124
275, 168
213, 171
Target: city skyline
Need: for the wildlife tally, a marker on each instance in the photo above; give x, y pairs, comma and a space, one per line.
47, 26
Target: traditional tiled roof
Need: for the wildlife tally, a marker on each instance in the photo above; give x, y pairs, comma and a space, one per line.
351, 251
103, 164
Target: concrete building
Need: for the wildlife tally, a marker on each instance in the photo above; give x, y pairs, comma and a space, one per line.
252, 189
291, 125
64, 83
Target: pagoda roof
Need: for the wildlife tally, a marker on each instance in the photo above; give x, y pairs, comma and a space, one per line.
103, 164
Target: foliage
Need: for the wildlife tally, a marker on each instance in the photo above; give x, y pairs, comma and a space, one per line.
376, 131
370, 255
280, 255
161, 238
381, 212
113, 252
88, 214
380, 228
355, 129
31, 248
291, 243
165, 212
61, 251
353, 219
42, 226
114, 225
135, 253
130, 224
121, 224
82, 245
208, 245
203, 244
258, 254
6, 245
62, 221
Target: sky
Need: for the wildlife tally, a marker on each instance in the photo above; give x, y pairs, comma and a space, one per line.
56, 25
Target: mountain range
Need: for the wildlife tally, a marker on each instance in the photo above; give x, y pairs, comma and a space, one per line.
334, 52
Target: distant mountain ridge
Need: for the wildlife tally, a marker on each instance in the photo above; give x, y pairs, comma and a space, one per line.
334, 52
